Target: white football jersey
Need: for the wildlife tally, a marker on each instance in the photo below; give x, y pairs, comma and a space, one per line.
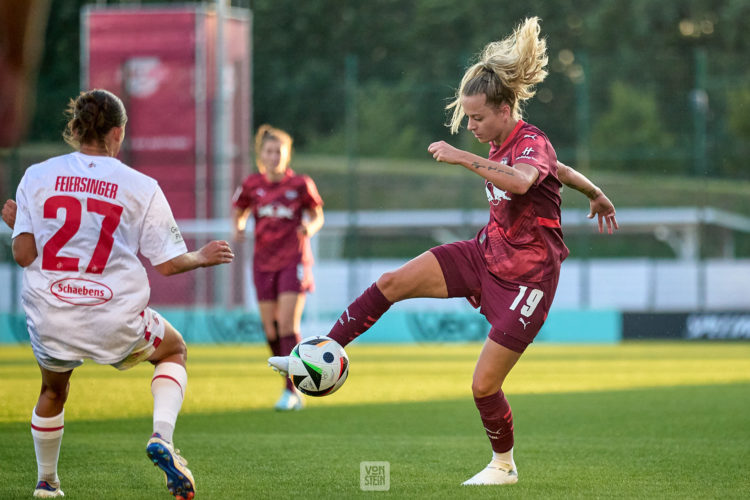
90, 216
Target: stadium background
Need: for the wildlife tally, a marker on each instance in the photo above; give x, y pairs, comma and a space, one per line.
649, 100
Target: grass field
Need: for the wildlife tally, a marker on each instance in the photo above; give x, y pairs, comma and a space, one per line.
637, 420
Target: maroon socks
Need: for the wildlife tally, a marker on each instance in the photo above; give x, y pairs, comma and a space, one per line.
497, 420
275, 346
360, 315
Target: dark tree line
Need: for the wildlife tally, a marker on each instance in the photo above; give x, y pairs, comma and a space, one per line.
622, 74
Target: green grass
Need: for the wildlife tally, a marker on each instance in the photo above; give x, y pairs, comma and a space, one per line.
637, 420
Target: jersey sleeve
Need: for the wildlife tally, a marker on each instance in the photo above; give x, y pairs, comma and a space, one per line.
311, 197
161, 239
242, 198
533, 149
23, 214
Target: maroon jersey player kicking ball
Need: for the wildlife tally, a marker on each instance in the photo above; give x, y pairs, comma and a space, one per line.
511, 268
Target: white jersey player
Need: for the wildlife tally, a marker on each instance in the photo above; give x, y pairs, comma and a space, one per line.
86, 296
79, 222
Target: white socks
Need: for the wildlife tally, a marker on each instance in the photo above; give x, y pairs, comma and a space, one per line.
505, 457
47, 433
168, 388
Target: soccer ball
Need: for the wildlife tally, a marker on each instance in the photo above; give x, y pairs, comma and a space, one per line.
318, 366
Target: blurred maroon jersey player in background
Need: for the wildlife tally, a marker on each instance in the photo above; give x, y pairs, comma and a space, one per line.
287, 210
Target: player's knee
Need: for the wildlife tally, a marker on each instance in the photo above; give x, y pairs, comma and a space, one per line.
181, 349
392, 286
172, 349
271, 331
286, 327
482, 386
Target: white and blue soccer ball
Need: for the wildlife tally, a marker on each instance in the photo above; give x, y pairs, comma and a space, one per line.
318, 366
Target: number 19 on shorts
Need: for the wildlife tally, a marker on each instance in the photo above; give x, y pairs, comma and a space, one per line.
530, 300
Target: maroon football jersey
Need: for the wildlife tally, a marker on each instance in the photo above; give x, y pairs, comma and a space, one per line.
277, 208
523, 241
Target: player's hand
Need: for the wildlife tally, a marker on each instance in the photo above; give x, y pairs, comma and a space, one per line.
215, 252
604, 211
9, 213
444, 152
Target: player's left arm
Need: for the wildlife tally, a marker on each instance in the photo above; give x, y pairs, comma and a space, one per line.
517, 179
211, 254
598, 202
313, 221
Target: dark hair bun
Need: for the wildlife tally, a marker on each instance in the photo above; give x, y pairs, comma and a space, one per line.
91, 116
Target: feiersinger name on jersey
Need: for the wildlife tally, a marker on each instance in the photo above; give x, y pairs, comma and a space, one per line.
81, 292
75, 184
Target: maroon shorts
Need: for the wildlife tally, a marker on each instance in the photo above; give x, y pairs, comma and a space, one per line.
295, 278
516, 311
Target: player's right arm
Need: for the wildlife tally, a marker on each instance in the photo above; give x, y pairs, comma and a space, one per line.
24, 249
242, 204
211, 254
24, 243
517, 179
9, 213
239, 222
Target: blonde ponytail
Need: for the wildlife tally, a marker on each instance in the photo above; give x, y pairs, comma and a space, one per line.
506, 71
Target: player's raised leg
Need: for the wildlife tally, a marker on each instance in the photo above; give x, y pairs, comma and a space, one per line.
420, 277
168, 387
47, 423
494, 364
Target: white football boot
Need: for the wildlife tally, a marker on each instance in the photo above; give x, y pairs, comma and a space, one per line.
495, 473
290, 400
46, 489
279, 364
178, 477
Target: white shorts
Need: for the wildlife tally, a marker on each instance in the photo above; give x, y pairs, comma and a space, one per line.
151, 337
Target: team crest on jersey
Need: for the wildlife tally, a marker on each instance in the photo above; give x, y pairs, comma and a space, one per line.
81, 292
290, 195
260, 192
495, 195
